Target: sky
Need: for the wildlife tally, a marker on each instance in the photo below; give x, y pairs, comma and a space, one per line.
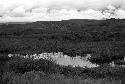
56, 10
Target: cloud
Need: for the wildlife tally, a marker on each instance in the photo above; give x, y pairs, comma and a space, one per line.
34, 10
18, 12
120, 13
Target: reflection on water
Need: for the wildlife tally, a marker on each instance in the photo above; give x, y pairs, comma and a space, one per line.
62, 59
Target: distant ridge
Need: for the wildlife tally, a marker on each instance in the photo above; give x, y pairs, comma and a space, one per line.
69, 20
15, 23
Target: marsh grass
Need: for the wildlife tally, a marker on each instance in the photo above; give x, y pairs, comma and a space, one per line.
42, 71
42, 78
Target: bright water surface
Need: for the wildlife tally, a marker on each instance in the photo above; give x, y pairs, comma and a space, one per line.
61, 59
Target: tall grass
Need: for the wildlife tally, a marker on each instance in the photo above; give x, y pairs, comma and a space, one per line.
42, 78
42, 71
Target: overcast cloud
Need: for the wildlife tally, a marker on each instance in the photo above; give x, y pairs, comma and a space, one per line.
42, 10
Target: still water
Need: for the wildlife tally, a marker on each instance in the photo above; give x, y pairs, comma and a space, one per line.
62, 59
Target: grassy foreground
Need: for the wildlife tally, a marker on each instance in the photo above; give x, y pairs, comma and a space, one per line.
17, 70
42, 78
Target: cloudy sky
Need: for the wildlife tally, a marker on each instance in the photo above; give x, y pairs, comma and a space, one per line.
46, 10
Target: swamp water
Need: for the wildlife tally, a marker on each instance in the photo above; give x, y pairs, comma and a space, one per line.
62, 59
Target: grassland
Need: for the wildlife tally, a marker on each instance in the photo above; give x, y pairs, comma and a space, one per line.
18, 70
104, 39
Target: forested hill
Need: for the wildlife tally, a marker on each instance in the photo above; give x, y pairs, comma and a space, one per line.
101, 38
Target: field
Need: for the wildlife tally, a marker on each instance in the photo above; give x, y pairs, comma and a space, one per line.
103, 39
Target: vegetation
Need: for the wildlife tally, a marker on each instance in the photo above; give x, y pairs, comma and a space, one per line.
17, 70
104, 39
42, 78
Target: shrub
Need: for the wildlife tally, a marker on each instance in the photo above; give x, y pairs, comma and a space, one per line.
22, 65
